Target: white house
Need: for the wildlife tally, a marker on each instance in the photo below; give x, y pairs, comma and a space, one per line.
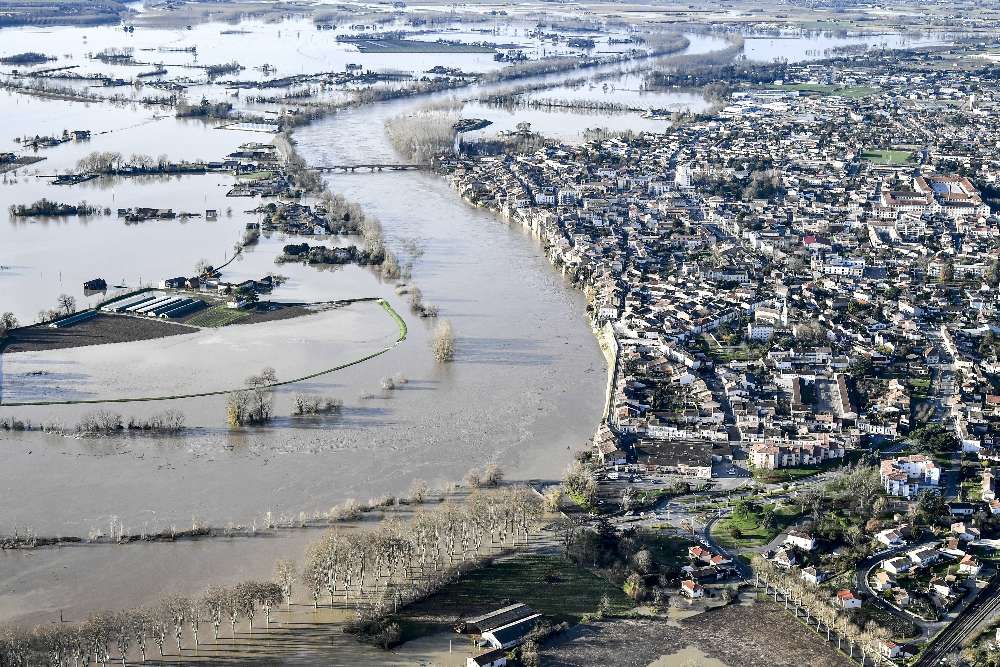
813, 576
924, 556
802, 540
907, 475
890, 537
889, 649
969, 565
883, 581
692, 589
494, 658
896, 565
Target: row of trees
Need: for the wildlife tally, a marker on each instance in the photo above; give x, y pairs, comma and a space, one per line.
417, 304
378, 571
46, 208
105, 422
821, 611
130, 632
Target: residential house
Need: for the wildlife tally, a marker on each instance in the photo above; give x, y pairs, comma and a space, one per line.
847, 599
896, 565
969, 565
692, 589
801, 540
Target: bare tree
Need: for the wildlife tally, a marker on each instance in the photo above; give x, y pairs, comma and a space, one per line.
140, 622
269, 595
7, 322
246, 597
285, 575
492, 475
66, 303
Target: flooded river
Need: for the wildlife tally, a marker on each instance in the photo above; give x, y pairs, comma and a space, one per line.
525, 391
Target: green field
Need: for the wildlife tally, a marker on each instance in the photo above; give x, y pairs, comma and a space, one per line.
549, 584
853, 92
257, 176
752, 533
217, 316
887, 156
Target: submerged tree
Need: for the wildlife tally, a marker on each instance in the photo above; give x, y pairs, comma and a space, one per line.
285, 575
253, 404
444, 342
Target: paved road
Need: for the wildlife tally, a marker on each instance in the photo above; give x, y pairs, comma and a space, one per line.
741, 568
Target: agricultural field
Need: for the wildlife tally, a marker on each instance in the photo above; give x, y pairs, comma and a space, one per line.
739, 635
218, 316
549, 584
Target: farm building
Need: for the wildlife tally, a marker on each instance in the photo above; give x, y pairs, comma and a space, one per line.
95, 285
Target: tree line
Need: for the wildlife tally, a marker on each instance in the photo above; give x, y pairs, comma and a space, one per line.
131, 632
821, 611
378, 572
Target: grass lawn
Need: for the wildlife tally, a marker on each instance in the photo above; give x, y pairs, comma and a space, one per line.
782, 475
919, 387
551, 585
972, 490
257, 176
899, 627
887, 156
217, 316
752, 534
582, 502
853, 92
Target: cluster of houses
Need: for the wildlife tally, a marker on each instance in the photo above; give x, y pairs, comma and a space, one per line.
705, 566
263, 175
898, 578
142, 214
39, 141
238, 291
738, 268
